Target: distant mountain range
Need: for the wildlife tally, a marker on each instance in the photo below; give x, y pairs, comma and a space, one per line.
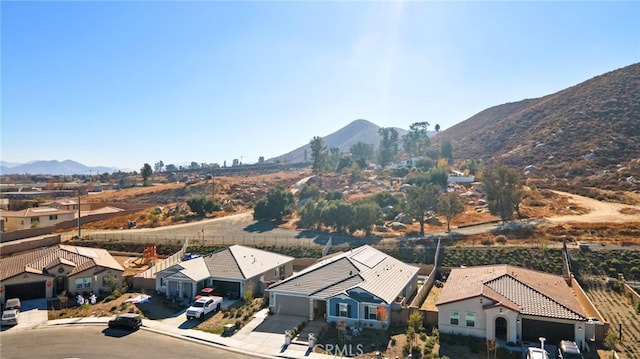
590, 132
52, 167
357, 131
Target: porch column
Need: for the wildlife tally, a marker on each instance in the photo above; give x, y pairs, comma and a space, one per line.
311, 309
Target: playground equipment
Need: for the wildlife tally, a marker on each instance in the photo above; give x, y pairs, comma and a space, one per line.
149, 257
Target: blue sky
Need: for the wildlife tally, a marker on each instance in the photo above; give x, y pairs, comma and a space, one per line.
120, 83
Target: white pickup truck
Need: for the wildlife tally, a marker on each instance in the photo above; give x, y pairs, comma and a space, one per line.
203, 306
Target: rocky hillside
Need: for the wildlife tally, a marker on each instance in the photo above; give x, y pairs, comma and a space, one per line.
588, 134
344, 138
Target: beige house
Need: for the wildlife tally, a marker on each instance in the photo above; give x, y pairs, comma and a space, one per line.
510, 304
46, 272
35, 217
231, 271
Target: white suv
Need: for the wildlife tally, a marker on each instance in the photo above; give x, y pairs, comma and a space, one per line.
203, 306
537, 353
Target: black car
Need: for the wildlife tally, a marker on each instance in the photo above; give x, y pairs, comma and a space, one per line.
569, 350
126, 321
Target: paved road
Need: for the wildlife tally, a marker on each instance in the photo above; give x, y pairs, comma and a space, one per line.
96, 342
243, 229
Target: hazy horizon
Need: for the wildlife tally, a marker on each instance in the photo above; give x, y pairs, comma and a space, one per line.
118, 84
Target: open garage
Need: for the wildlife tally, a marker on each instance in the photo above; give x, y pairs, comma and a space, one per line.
227, 288
554, 332
25, 291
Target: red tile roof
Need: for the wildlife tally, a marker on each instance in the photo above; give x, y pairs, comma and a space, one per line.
39, 260
526, 291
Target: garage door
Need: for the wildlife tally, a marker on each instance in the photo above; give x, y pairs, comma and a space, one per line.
532, 330
228, 289
292, 305
26, 291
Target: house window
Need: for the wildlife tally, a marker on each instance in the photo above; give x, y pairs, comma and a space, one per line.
35, 219
343, 310
82, 283
453, 317
471, 319
371, 312
280, 272
53, 217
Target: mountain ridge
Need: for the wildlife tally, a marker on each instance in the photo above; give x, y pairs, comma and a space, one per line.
589, 130
359, 130
53, 167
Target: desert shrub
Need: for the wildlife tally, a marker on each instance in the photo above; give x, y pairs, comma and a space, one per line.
501, 238
486, 242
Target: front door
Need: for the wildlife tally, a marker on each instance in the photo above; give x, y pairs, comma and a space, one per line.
60, 284
501, 328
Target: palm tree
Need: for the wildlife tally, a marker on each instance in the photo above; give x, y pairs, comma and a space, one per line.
438, 135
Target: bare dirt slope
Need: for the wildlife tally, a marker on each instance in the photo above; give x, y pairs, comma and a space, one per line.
598, 211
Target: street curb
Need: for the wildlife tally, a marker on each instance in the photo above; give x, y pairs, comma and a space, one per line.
174, 335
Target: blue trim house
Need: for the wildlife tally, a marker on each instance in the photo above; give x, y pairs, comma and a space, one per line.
360, 287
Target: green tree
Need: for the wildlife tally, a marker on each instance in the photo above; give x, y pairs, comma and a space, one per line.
415, 321
309, 191
504, 191
450, 205
171, 168
310, 214
248, 292
446, 150
361, 151
384, 199
319, 155
333, 158
434, 175
416, 141
202, 205
158, 166
366, 214
146, 172
421, 199
277, 203
388, 150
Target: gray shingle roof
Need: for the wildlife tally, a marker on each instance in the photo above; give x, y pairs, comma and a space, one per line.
364, 267
240, 262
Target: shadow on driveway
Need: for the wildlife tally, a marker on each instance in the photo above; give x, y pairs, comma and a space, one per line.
278, 323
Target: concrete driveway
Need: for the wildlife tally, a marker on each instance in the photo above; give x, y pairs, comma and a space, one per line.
32, 313
267, 331
179, 319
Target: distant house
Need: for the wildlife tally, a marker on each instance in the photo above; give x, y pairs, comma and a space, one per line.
46, 272
510, 304
65, 204
35, 217
231, 271
360, 286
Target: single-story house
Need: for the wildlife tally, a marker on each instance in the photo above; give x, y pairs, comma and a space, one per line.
360, 287
47, 272
231, 271
35, 217
510, 304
